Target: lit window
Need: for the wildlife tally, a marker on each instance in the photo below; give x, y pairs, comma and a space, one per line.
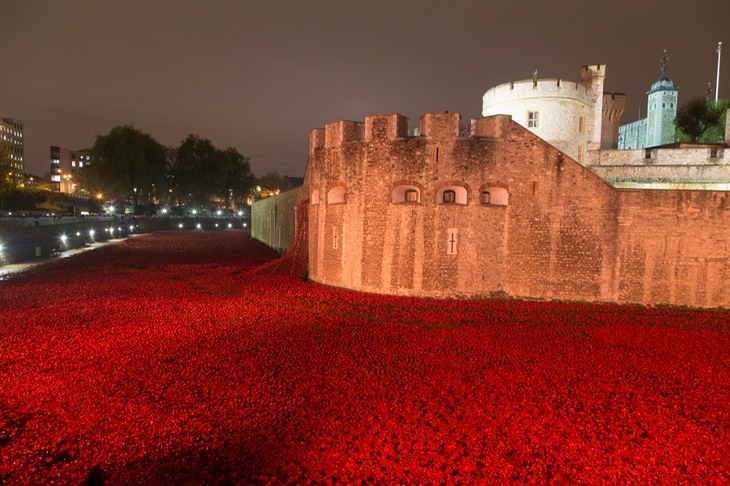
533, 119
81, 164
73, 163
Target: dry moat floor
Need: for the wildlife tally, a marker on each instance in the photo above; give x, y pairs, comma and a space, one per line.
196, 358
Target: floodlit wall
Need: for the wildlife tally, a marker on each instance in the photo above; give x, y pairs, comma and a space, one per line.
273, 220
692, 165
500, 213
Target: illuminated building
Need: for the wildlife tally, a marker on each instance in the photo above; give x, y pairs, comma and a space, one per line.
658, 127
65, 168
11, 133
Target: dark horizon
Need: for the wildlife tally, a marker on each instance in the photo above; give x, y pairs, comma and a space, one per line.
260, 76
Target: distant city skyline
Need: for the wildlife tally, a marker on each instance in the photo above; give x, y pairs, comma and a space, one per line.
259, 76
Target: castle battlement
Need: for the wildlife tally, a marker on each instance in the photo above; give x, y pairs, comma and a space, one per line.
590, 72
436, 126
339, 132
530, 89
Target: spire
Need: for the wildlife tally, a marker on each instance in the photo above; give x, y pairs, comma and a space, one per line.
664, 60
663, 83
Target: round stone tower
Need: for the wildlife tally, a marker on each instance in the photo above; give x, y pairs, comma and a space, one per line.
565, 114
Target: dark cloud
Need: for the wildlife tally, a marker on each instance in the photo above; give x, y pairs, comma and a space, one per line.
258, 75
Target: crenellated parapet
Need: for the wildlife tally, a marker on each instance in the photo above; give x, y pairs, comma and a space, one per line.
376, 127
316, 139
385, 127
339, 132
440, 125
528, 89
434, 127
614, 105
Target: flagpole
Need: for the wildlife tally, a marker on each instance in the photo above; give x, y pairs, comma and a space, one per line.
717, 82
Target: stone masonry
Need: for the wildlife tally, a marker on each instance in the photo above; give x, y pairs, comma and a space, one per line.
501, 213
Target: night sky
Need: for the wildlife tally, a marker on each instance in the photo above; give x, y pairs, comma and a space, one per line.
258, 75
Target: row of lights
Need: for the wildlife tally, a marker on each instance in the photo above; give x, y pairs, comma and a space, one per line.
10, 213
111, 230
200, 226
194, 212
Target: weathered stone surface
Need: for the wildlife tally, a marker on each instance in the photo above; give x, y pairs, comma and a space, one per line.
564, 233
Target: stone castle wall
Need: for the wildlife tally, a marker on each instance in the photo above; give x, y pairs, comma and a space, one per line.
273, 220
701, 166
550, 230
614, 105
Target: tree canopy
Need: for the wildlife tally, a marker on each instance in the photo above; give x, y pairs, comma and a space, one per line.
701, 121
130, 165
235, 178
201, 172
127, 165
273, 181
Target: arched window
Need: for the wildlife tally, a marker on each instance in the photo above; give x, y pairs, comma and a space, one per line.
452, 195
314, 199
494, 196
405, 194
336, 195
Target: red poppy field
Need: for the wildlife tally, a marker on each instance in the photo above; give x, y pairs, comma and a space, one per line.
192, 358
